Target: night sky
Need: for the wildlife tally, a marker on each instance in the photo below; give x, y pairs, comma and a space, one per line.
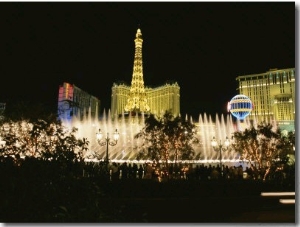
202, 46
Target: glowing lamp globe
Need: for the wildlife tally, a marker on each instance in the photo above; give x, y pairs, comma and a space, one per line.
240, 106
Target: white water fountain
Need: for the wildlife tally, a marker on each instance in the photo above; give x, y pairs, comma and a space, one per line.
128, 147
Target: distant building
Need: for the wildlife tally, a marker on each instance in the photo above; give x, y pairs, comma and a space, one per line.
2, 109
272, 94
138, 98
72, 101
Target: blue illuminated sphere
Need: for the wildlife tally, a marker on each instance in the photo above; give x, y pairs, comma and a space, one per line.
240, 106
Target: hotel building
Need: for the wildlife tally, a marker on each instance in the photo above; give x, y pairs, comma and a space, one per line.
272, 94
73, 101
160, 99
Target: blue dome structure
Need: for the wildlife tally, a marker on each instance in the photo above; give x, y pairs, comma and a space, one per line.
240, 106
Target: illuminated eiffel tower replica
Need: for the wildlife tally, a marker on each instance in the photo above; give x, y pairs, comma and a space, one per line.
137, 102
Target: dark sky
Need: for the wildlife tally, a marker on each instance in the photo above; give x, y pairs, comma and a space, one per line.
202, 46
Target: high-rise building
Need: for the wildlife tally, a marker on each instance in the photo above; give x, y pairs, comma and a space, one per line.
2, 109
139, 98
73, 101
272, 94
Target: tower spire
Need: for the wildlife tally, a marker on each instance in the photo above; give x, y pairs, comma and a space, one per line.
137, 100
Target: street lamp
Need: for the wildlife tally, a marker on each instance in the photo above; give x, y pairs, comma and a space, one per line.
220, 147
107, 141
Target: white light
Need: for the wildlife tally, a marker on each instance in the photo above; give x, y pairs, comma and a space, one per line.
99, 135
2, 143
227, 142
116, 135
287, 201
277, 194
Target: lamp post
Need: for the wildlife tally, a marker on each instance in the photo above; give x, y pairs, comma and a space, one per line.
107, 141
220, 147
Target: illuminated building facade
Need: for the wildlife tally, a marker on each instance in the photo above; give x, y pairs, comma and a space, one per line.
166, 97
159, 99
141, 99
272, 94
72, 101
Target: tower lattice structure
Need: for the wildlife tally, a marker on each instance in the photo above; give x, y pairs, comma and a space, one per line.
137, 100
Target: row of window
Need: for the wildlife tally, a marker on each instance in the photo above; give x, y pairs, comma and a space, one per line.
281, 76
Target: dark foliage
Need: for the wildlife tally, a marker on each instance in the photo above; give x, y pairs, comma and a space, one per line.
40, 191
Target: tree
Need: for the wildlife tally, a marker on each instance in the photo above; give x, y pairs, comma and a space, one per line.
42, 139
167, 137
286, 146
261, 145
